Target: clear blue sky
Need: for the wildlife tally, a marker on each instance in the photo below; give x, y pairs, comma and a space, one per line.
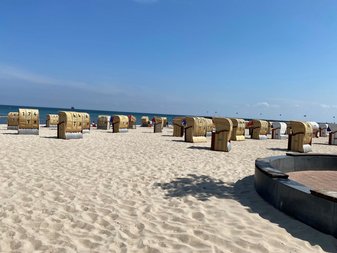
172, 56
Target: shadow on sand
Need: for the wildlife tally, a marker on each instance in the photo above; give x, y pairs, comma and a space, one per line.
201, 148
50, 137
278, 149
10, 134
203, 187
322, 144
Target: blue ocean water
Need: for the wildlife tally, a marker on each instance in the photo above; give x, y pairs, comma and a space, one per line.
5, 109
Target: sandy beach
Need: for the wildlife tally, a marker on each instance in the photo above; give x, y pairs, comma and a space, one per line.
141, 192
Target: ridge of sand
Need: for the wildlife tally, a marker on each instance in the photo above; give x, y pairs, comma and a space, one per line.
141, 192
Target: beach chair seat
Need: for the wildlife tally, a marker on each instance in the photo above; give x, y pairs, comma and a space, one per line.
157, 124
178, 127
323, 129
70, 125
209, 126
259, 129
222, 135
238, 132
103, 122
164, 122
279, 130
85, 122
132, 122
315, 129
120, 123
195, 129
145, 121
300, 136
13, 120
29, 122
52, 120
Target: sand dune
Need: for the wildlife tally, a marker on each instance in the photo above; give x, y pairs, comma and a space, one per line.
141, 192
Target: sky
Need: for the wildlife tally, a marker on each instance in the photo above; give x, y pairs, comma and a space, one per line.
242, 58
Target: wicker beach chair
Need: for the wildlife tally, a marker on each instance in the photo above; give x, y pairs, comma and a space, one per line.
120, 123
70, 125
178, 127
29, 122
103, 122
157, 124
259, 129
315, 129
196, 129
238, 132
12, 121
132, 122
300, 136
145, 121
323, 129
222, 135
279, 130
52, 120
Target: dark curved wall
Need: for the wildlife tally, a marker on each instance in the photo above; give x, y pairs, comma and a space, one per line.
316, 209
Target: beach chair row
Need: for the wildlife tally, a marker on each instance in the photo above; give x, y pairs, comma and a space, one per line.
225, 130
68, 124
72, 125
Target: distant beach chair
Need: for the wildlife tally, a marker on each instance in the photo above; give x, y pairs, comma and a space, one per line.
259, 129
12, 121
103, 122
178, 127
29, 122
248, 129
333, 134
238, 132
279, 130
195, 129
145, 121
315, 129
209, 126
164, 122
52, 120
132, 122
120, 123
222, 135
70, 125
270, 127
85, 122
300, 136
157, 124
323, 129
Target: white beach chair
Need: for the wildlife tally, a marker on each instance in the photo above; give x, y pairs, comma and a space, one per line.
279, 130
323, 129
315, 129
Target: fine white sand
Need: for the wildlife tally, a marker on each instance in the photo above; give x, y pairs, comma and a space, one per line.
141, 192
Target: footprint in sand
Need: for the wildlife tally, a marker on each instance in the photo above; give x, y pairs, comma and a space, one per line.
198, 216
15, 245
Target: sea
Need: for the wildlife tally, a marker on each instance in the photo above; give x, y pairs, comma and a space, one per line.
43, 111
